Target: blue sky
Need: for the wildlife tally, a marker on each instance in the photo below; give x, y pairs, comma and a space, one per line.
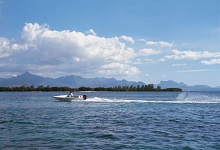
139, 40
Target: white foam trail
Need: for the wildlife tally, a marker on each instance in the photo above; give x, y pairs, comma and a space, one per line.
197, 97
106, 100
187, 102
182, 96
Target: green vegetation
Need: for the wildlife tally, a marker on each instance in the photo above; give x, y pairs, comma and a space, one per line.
139, 88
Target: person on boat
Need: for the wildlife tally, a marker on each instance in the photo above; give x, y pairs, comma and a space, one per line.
70, 94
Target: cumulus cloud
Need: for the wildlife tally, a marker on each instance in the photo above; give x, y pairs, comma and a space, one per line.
192, 55
151, 43
128, 39
118, 68
148, 51
211, 62
160, 43
8, 48
51, 51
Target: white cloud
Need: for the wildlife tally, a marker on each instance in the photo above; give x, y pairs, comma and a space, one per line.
147, 75
137, 62
128, 39
76, 59
141, 40
162, 59
198, 70
148, 51
92, 32
150, 61
8, 48
192, 55
177, 65
118, 68
163, 75
151, 43
160, 43
8, 74
165, 44
211, 62
66, 52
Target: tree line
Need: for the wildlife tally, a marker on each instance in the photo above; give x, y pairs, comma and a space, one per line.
132, 88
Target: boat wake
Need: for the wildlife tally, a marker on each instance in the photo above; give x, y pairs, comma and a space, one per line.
198, 97
106, 100
183, 98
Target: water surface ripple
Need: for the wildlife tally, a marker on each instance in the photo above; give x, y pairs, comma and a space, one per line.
110, 120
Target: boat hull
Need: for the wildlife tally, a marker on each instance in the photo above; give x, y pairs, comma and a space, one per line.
72, 98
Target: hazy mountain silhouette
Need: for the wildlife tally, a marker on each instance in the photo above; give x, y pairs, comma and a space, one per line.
28, 79
171, 84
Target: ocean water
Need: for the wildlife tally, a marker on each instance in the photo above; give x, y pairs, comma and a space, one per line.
110, 120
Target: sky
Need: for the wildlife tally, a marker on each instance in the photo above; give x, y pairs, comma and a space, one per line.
136, 40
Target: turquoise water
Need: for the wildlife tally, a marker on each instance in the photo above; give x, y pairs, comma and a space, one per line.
110, 120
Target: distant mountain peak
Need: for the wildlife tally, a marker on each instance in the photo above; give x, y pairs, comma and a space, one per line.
25, 73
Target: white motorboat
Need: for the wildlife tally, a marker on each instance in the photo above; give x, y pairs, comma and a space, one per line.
70, 97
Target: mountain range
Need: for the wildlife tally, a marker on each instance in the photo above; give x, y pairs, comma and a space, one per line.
28, 79
171, 84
